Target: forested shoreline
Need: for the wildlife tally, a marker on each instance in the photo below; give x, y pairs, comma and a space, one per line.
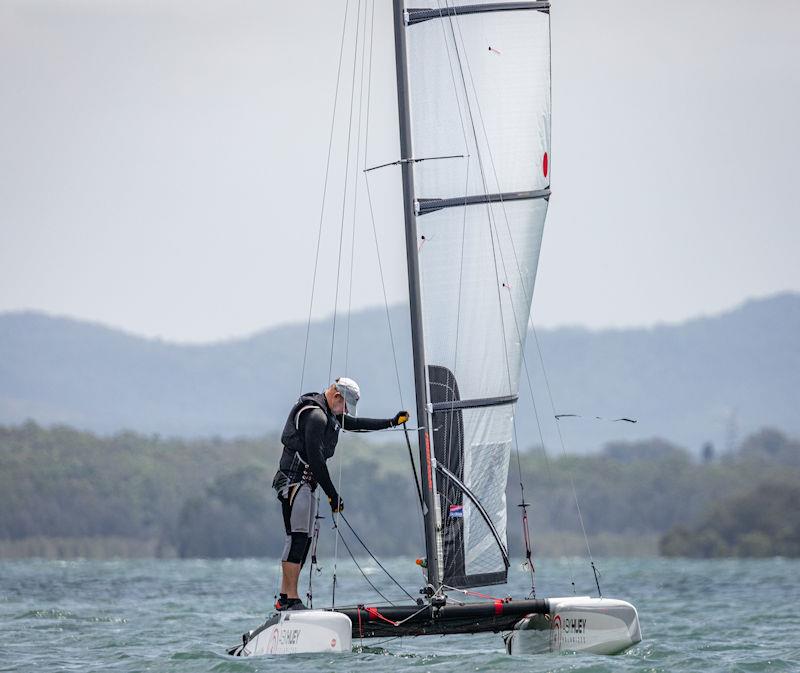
66, 494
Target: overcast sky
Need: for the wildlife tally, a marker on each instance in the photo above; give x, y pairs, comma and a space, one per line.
162, 162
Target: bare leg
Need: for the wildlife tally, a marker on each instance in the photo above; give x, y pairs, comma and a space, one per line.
291, 575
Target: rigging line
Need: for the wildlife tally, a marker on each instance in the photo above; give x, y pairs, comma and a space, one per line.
355, 193
369, 82
363, 574
336, 302
466, 189
452, 426
414, 470
492, 232
489, 212
324, 195
372, 556
526, 534
564, 453
491, 158
466, 150
344, 198
380, 265
453, 80
453, 416
314, 541
372, 213
375, 611
380, 270
335, 518
505, 214
413, 161
519, 271
524, 504
383, 288
545, 456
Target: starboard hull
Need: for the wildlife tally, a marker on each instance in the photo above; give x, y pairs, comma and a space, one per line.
577, 624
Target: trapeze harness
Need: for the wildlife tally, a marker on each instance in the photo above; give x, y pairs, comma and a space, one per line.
294, 469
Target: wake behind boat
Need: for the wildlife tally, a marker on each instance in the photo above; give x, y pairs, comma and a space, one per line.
473, 90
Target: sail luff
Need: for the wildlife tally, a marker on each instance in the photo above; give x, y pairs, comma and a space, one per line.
412, 261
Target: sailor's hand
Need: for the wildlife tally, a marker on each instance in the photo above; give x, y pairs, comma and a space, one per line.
399, 418
337, 504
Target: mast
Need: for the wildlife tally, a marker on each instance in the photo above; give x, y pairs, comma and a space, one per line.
412, 261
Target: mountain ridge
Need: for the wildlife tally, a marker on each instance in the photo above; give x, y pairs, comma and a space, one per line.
710, 378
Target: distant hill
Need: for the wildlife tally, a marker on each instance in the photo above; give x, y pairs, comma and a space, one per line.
708, 379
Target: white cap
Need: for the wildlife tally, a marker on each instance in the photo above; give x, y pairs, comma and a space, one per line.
350, 391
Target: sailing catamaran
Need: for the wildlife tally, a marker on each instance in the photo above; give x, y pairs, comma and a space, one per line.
473, 89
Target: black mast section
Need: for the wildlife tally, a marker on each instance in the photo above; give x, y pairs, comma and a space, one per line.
426, 466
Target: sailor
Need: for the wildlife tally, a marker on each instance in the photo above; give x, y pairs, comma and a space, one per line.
309, 439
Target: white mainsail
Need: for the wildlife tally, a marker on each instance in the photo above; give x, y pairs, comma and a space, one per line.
479, 91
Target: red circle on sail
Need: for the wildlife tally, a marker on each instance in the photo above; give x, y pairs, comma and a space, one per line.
544, 164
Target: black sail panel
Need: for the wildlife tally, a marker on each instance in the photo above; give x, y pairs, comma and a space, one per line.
454, 494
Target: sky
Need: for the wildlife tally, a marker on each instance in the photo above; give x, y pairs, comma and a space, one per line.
162, 163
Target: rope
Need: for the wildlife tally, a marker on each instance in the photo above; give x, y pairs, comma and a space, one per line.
364, 575
473, 593
324, 196
335, 517
380, 271
372, 214
338, 275
344, 199
564, 452
313, 564
376, 613
372, 556
355, 191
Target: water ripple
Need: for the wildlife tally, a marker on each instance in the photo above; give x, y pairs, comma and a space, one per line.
170, 615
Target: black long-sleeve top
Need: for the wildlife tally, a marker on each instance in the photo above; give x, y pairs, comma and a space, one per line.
312, 425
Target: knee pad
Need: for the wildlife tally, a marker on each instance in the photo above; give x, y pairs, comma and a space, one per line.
298, 549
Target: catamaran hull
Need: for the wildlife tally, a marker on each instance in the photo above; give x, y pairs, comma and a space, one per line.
577, 624
298, 631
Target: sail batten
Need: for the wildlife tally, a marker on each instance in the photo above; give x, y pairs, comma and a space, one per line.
452, 405
428, 205
419, 15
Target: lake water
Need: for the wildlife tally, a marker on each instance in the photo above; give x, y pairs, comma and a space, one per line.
180, 615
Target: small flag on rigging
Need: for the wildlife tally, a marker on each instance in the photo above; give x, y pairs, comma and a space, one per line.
456, 511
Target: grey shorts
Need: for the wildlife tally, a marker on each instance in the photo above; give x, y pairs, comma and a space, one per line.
299, 506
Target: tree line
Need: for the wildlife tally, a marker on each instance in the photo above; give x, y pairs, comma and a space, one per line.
64, 492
